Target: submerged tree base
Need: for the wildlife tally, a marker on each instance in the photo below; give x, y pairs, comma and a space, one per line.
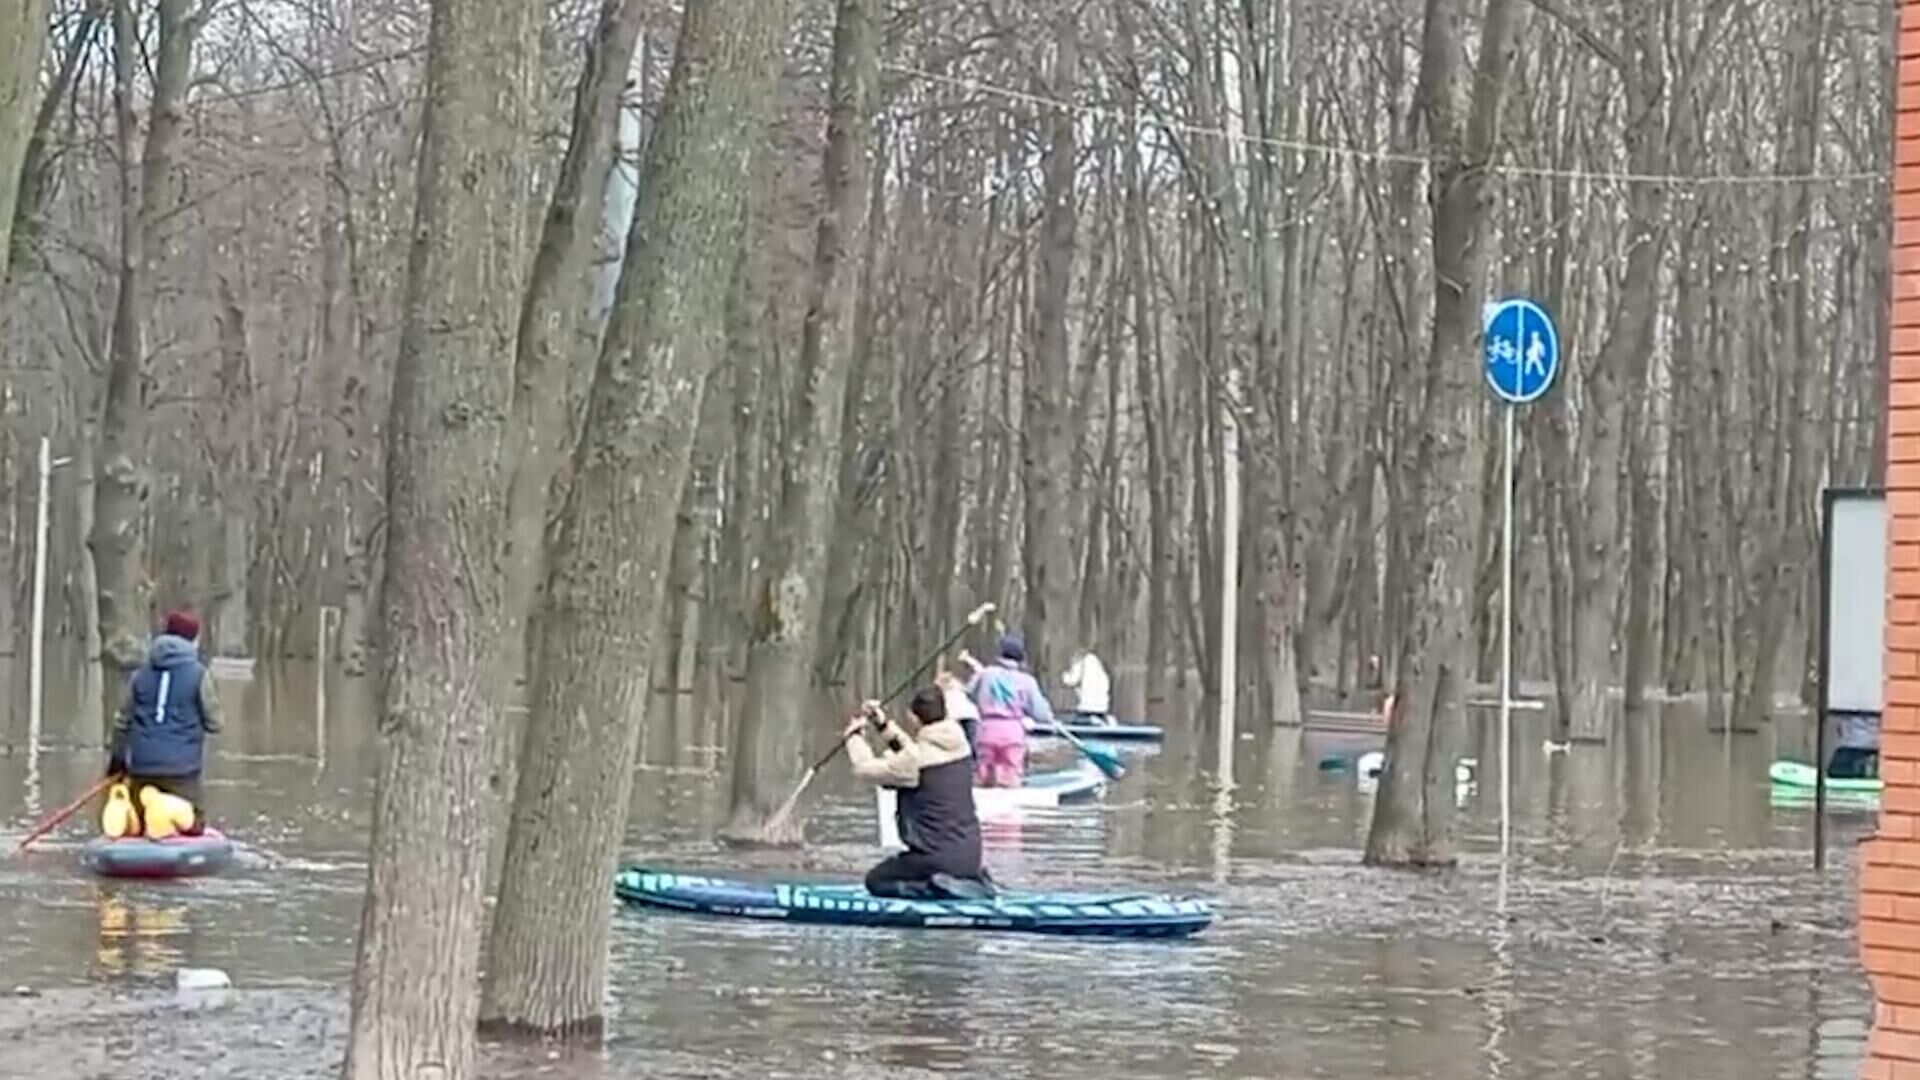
1414, 863
590, 1032
754, 830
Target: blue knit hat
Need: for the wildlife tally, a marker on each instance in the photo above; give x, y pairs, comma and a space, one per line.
1011, 648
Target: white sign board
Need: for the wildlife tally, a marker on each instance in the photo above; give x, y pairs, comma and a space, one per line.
1856, 599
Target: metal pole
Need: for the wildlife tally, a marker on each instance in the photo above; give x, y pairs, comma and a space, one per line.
1506, 646
1229, 573
36, 670
1823, 673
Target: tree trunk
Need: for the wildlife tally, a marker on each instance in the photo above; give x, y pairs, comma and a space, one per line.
234, 504
547, 964
1047, 447
555, 336
23, 34
1270, 406
688, 596
852, 529
416, 989
555, 342
147, 194
1413, 811
787, 598
1598, 557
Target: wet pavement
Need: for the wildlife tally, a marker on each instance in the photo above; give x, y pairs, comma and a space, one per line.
1660, 918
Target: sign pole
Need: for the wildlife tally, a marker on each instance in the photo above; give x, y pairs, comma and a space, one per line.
1522, 357
1506, 639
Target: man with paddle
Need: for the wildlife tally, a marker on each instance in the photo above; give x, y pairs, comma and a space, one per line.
1101, 759
931, 770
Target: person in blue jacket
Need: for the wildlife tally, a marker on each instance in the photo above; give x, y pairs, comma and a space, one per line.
159, 736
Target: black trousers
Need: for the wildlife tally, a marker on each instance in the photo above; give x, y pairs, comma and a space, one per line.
909, 875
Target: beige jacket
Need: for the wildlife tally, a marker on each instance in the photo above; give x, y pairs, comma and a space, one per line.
939, 743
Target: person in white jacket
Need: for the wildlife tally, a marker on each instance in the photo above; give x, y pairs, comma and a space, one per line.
1088, 678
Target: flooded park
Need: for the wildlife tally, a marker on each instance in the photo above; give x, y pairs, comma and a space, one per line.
1661, 917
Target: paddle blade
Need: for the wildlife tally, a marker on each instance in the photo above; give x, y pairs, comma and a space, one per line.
1104, 760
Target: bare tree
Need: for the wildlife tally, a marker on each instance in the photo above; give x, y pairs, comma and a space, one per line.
548, 960
148, 186
1412, 817
416, 990
786, 599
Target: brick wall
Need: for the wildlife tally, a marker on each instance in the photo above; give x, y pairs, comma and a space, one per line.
1890, 862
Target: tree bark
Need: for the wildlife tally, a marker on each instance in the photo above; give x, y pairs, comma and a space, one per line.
235, 498
416, 989
555, 336
1047, 446
147, 193
547, 964
23, 35
787, 597
1268, 410
1618, 373
1413, 811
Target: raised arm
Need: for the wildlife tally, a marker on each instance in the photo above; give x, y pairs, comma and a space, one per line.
897, 767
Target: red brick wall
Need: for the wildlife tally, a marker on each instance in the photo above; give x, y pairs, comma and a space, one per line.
1890, 870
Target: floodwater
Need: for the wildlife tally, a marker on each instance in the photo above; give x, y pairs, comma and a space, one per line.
1661, 918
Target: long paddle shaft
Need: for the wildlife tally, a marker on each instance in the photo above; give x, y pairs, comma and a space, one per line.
53, 820
973, 620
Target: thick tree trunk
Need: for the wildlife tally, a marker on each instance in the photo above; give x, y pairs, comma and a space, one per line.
547, 963
1269, 408
1413, 811
23, 35
787, 597
688, 592
416, 991
235, 502
852, 528
1619, 372
147, 193
1046, 461
554, 344
556, 338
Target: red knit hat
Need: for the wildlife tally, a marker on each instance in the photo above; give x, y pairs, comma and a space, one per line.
183, 624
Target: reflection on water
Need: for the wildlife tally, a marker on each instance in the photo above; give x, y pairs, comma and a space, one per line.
1660, 918
142, 935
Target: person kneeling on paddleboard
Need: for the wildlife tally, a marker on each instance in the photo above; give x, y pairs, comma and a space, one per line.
932, 772
160, 733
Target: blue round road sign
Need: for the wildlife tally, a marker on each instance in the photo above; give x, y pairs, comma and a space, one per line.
1522, 351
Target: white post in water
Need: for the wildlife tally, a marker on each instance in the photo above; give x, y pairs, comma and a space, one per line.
1229, 571
37, 661
329, 618
1522, 356
36, 670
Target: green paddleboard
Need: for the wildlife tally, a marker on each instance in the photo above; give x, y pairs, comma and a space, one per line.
1799, 775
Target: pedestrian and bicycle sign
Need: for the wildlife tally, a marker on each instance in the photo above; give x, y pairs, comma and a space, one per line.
1522, 350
